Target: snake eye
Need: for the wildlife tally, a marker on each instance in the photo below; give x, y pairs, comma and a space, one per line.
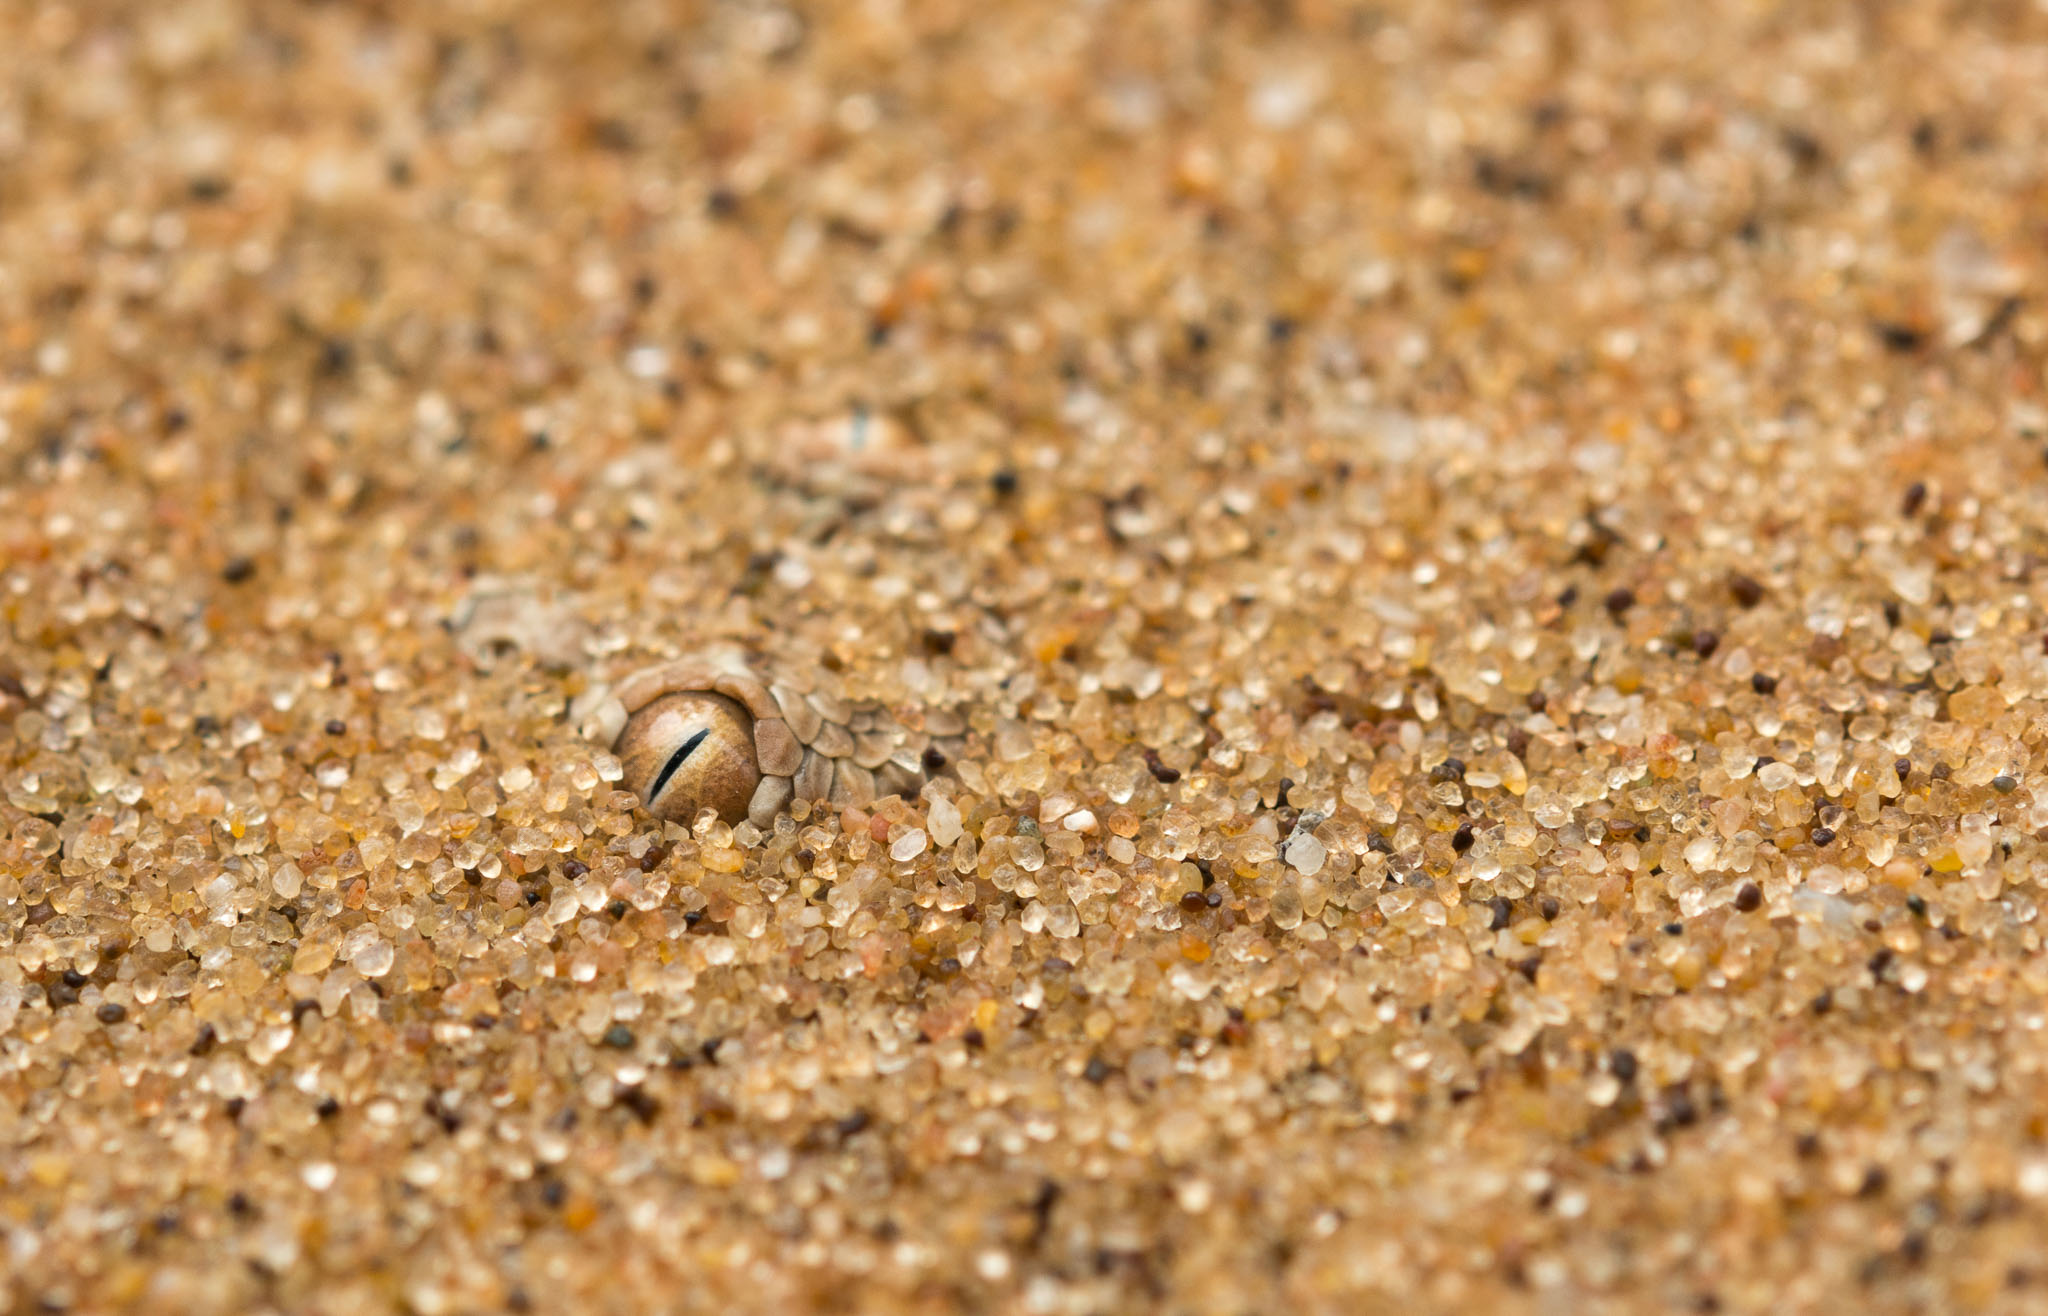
690, 751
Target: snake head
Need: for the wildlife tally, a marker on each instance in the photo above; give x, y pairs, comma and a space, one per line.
707, 732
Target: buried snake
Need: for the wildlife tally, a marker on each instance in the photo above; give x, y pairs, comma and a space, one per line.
712, 731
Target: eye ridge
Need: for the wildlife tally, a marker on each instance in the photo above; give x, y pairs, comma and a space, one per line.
675, 761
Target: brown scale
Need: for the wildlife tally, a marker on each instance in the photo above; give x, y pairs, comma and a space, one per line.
699, 733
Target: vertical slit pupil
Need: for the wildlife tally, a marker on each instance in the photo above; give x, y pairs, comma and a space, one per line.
675, 761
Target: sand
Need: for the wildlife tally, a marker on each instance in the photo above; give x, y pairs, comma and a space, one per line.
1481, 567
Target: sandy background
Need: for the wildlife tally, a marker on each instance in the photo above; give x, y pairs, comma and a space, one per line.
1491, 557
